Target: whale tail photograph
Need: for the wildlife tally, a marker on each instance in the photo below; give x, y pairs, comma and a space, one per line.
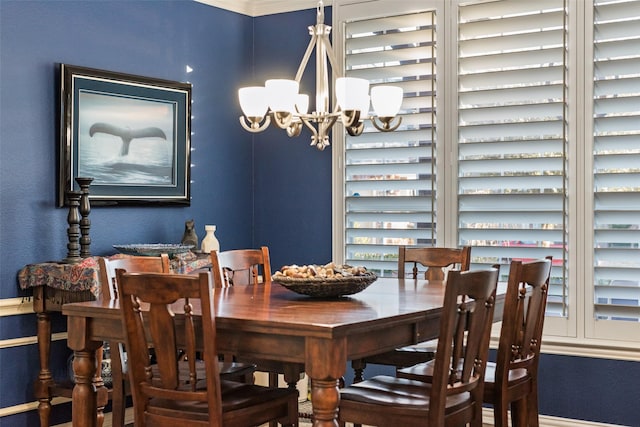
126, 141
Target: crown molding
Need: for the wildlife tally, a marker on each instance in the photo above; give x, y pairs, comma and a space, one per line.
263, 7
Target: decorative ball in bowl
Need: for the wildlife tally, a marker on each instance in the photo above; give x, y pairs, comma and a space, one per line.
324, 281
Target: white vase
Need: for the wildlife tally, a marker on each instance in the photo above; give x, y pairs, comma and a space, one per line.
210, 241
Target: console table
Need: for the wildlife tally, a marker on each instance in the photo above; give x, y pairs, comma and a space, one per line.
56, 283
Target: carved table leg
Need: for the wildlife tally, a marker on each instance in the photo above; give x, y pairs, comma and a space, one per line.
45, 380
326, 364
325, 399
89, 394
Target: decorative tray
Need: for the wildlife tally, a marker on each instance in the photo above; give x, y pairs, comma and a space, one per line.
320, 286
153, 249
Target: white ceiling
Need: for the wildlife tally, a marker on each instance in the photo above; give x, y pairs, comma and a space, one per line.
264, 7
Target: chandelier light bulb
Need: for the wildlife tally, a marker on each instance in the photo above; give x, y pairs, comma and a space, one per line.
282, 94
302, 103
352, 93
386, 100
253, 101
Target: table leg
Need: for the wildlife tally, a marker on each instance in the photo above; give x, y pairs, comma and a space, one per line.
325, 364
325, 399
89, 394
45, 380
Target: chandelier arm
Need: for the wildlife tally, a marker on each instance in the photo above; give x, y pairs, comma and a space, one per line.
294, 129
350, 117
313, 130
355, 130
386, 124
307, 55
331, 56
256, 129
324, 127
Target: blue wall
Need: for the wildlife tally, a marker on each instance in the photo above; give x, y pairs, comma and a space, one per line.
262, 189
292, 180
150, 38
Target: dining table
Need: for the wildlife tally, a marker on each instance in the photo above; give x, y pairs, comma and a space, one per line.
268, 321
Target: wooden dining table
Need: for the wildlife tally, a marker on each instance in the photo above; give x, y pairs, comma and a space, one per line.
271, 322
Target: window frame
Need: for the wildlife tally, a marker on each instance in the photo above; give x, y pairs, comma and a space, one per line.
579, 333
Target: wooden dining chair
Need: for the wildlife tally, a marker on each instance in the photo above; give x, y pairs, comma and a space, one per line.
120, 389
253, 266
454, 397
120, 382
511, 382
436, 260
158, 312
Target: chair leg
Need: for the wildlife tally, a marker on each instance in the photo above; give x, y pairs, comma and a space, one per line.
532, 408
118, 383
519, 413
358, 370
477, 421
500, 415
292, 375
273, 382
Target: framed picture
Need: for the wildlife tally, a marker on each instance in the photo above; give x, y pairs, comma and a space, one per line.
131, 134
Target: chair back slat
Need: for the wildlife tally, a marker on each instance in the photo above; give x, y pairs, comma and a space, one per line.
434, 259
463, 342
244, 266
156, 310
523, 318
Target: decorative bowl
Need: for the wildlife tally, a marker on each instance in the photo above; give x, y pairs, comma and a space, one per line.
326, 287
153, 249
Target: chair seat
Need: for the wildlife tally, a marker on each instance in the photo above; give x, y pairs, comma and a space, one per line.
515, 375
236, 370
406, 356
235, 396
399, 394
424, 372
228, 370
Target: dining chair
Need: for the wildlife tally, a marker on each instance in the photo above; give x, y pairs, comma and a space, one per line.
120, 382
436, 260
253, 266
511, 382
158, 312
107, 267
454, 397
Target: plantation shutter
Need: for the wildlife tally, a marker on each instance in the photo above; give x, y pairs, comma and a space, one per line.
512, 135
389, 178
616, 160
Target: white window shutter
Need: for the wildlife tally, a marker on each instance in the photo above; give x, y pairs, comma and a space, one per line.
389, 177
616, 162
512, 142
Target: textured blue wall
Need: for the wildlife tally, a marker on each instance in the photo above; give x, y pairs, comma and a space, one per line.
150, 38
292, 180
259, 189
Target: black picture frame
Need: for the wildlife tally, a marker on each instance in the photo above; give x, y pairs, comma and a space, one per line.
131, 134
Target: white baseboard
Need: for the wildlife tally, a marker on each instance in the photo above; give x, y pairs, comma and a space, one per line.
549, 421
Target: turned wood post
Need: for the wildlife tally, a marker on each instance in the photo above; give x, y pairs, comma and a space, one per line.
73, 231
85, 222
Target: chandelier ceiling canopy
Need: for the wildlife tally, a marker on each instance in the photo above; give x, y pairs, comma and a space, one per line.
280, 102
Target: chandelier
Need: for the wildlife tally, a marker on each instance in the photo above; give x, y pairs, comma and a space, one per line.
278, 100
